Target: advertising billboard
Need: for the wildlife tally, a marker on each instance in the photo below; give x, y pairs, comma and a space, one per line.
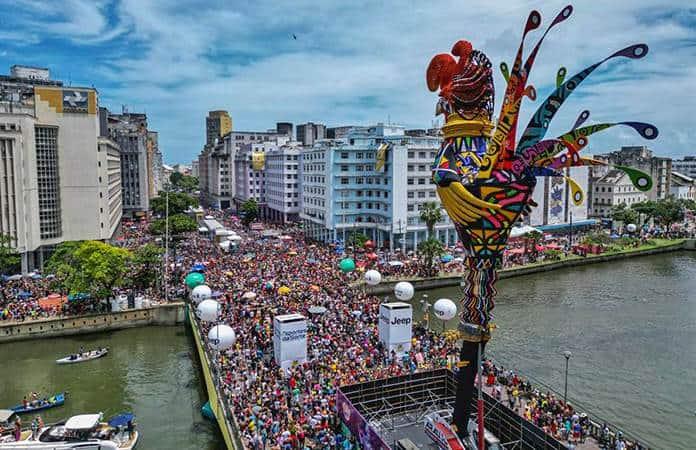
358, 426
289, 339
395, 326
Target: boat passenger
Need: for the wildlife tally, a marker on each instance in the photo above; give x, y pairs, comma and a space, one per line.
25, 402
35, 428
17, 429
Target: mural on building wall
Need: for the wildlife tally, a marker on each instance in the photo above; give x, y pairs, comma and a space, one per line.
556, 200
486, 176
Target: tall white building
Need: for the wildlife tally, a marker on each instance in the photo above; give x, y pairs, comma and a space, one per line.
216, 164
349, 186
61, 180
282, 183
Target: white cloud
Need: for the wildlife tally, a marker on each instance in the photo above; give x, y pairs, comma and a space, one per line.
362, 61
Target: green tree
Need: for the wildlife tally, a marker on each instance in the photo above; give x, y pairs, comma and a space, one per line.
178, 203
430, 213
186, 183
178, 223
430, 249
357, 239
531, 240
647, 209
146, 265
249, 211
668, 212
620, 213
175, 178
9, 258
91, 267
688, 204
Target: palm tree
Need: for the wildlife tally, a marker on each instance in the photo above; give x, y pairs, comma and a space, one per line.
430, 214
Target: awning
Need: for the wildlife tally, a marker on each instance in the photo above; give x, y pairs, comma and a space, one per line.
121, 420
563, 226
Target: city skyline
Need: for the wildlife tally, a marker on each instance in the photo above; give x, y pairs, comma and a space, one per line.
347, 65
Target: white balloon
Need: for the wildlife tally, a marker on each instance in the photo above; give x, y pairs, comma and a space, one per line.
208, 310
403, 290
372, 277
631, 227
445, 309
221, 337
200, 293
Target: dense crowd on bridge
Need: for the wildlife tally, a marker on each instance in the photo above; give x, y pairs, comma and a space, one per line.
295, 409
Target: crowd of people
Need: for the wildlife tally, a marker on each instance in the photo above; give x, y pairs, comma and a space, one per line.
294, 408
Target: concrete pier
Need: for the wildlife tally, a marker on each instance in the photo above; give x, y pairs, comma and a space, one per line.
167, 314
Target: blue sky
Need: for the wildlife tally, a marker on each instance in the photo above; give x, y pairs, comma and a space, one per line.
355, 62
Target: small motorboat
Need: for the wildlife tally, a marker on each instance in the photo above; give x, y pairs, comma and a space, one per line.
86, 431
82, 357
41, 404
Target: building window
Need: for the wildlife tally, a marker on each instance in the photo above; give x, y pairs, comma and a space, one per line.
411, 154
344, 180
48, 181
410, 181
344, 155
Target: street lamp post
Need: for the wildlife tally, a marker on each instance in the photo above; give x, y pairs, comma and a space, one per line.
166, 245
567, 355
570, 241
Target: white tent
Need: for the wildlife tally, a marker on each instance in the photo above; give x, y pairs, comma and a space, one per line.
521, 231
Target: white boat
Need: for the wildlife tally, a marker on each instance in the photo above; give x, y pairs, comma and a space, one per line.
85, 432
82, 357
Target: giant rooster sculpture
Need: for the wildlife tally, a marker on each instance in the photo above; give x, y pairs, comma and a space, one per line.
485, 178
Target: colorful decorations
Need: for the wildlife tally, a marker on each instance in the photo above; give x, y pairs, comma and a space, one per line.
373, 277
403, 290
194, 279
485, 178
347, 265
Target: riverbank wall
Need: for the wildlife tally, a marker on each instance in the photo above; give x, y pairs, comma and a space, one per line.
224, 418
387, 286
166, 314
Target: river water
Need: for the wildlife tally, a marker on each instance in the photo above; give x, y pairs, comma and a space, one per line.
631, 328
152, 372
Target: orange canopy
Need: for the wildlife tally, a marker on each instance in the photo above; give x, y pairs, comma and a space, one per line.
53, 301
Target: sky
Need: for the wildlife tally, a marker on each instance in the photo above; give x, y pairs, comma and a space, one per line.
353, 63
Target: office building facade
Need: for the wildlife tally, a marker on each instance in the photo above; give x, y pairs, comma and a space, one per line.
308, 133
217, 124
349, 186
61, 178
129, 131
685, 166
